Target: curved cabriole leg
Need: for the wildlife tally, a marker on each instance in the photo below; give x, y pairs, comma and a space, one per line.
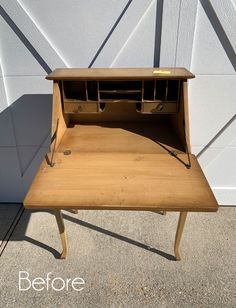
178, 235
61, 227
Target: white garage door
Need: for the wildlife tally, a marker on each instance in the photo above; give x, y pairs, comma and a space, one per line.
39, 36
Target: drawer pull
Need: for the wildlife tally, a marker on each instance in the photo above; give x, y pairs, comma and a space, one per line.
160, 107
80, 108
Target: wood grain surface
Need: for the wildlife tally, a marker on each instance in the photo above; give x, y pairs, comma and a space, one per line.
119, 73
126, 137
120, 181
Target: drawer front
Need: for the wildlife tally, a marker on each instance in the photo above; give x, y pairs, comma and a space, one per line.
159, 107
81, 107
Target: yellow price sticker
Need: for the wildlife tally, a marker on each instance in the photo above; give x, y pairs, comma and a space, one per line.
161, 72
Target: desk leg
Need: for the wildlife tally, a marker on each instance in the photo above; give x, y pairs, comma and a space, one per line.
178, 235
61, 227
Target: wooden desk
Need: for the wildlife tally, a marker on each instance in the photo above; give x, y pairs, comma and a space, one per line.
114, 148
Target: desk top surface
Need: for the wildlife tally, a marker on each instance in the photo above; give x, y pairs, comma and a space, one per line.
119, 73
120, 181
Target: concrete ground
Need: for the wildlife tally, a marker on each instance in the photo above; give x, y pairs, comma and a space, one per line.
125, 259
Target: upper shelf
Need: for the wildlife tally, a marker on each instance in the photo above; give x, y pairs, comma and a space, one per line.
119, 73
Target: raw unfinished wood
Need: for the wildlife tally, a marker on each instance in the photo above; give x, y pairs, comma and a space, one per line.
62, 231
121, 181
160, 107
114, 156
179, 232
121, 137
59, 120
119, 73
180, 120
80, 107
117, 112
186, 115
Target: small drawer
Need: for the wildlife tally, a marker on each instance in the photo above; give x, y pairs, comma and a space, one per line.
80, 107
159, 107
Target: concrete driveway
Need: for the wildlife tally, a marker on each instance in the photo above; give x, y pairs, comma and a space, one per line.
124, 258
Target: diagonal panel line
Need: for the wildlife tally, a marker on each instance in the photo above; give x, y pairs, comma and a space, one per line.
177, 33
220, 32
11, 225
30, 17
11, 230
158, 29
216, 136
4, 84
132, 33
110, 33
24, 40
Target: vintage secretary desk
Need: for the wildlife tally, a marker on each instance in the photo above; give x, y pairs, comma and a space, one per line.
120, 141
